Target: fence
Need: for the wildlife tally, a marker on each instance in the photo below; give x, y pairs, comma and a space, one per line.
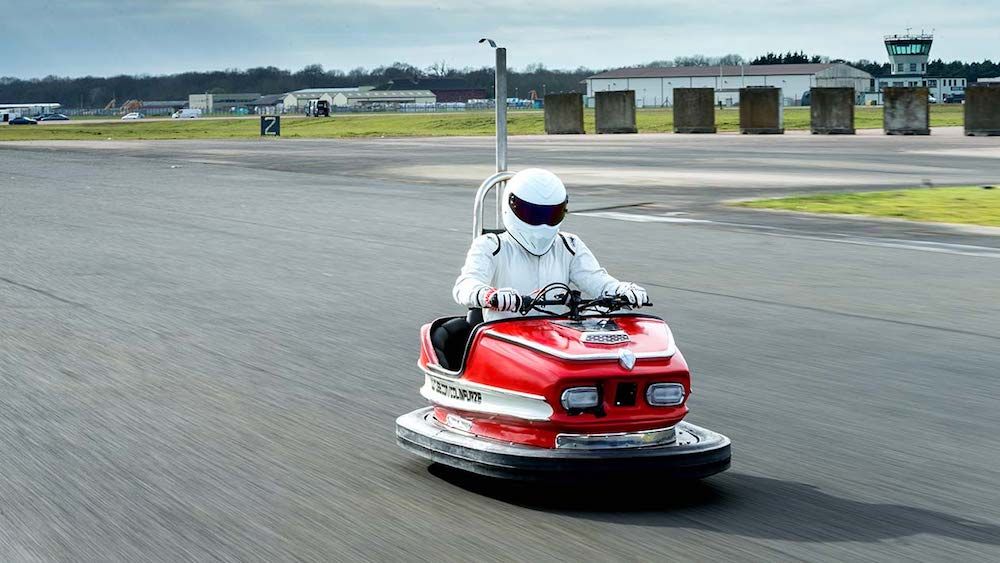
112, 113
520, 105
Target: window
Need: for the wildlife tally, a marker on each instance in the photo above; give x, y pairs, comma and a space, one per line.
899, 67
913, 67
909, 48
923, 67
932, 83
897, 83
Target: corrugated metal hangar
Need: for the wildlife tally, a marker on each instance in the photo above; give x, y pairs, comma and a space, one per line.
653, 86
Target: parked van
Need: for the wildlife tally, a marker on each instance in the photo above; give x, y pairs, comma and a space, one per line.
187, 113
318, 108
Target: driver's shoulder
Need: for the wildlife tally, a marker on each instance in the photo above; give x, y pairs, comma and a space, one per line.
489, 243
571, 242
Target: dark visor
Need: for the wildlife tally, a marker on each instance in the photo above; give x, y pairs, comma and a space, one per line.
534, 214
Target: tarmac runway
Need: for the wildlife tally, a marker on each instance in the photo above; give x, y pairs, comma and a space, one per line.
204, 346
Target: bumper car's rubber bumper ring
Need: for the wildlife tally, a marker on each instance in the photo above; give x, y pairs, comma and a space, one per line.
704, 453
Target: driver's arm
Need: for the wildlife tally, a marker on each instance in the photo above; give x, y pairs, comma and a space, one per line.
476, 278
585, 272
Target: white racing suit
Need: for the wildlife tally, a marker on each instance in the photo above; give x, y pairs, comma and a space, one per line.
498, 261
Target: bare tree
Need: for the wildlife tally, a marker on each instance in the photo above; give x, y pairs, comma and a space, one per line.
731, 59
439, 69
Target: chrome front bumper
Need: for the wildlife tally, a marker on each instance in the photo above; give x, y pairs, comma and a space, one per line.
694, 452
616, 440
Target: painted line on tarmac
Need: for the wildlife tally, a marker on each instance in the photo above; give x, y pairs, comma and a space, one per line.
610, 207
923, 246
637, 218
823, 310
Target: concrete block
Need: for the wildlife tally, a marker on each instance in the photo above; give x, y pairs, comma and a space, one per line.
615, 112
906, 111
760, 111
982, 110
564, 114
831, 111
694, 110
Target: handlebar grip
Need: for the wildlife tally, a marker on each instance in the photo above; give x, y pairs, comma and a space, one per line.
622, 300
494, 301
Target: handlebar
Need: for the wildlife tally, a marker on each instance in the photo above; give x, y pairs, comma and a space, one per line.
571, 299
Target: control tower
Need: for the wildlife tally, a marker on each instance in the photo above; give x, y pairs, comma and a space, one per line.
909, 53
908, 56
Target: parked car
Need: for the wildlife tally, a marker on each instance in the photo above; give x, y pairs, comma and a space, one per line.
52, 117
186, 114
133, 115
931, 99
23, 121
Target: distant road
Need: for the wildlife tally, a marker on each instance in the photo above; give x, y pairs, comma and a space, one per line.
146, 119
284, 116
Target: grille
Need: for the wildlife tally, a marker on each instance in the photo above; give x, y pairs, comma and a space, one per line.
625, 395
616, 337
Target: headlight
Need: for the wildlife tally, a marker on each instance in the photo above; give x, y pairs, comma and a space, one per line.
665, 394
578, 398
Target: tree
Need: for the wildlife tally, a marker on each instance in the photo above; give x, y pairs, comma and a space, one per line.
731, 59
799, 57
659, 64
693, 60
95, 92
438, 69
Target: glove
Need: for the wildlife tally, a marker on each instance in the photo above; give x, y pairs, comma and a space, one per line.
636, 295
505, 299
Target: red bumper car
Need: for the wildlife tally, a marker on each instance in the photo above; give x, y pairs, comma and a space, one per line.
591, 391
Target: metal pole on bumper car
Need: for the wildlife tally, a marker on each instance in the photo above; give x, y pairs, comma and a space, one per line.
500, 104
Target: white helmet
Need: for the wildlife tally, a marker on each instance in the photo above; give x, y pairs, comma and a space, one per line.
533, 208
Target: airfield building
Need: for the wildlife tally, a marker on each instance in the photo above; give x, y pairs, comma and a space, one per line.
221, 102
653, 86
269, 104
298, 100
10, 111
445, 90
161, 107
384, 97
908, 55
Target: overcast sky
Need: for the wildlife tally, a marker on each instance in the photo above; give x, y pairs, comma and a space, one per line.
105, 37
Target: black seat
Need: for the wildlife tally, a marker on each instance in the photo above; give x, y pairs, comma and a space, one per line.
475, 317
449, 340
